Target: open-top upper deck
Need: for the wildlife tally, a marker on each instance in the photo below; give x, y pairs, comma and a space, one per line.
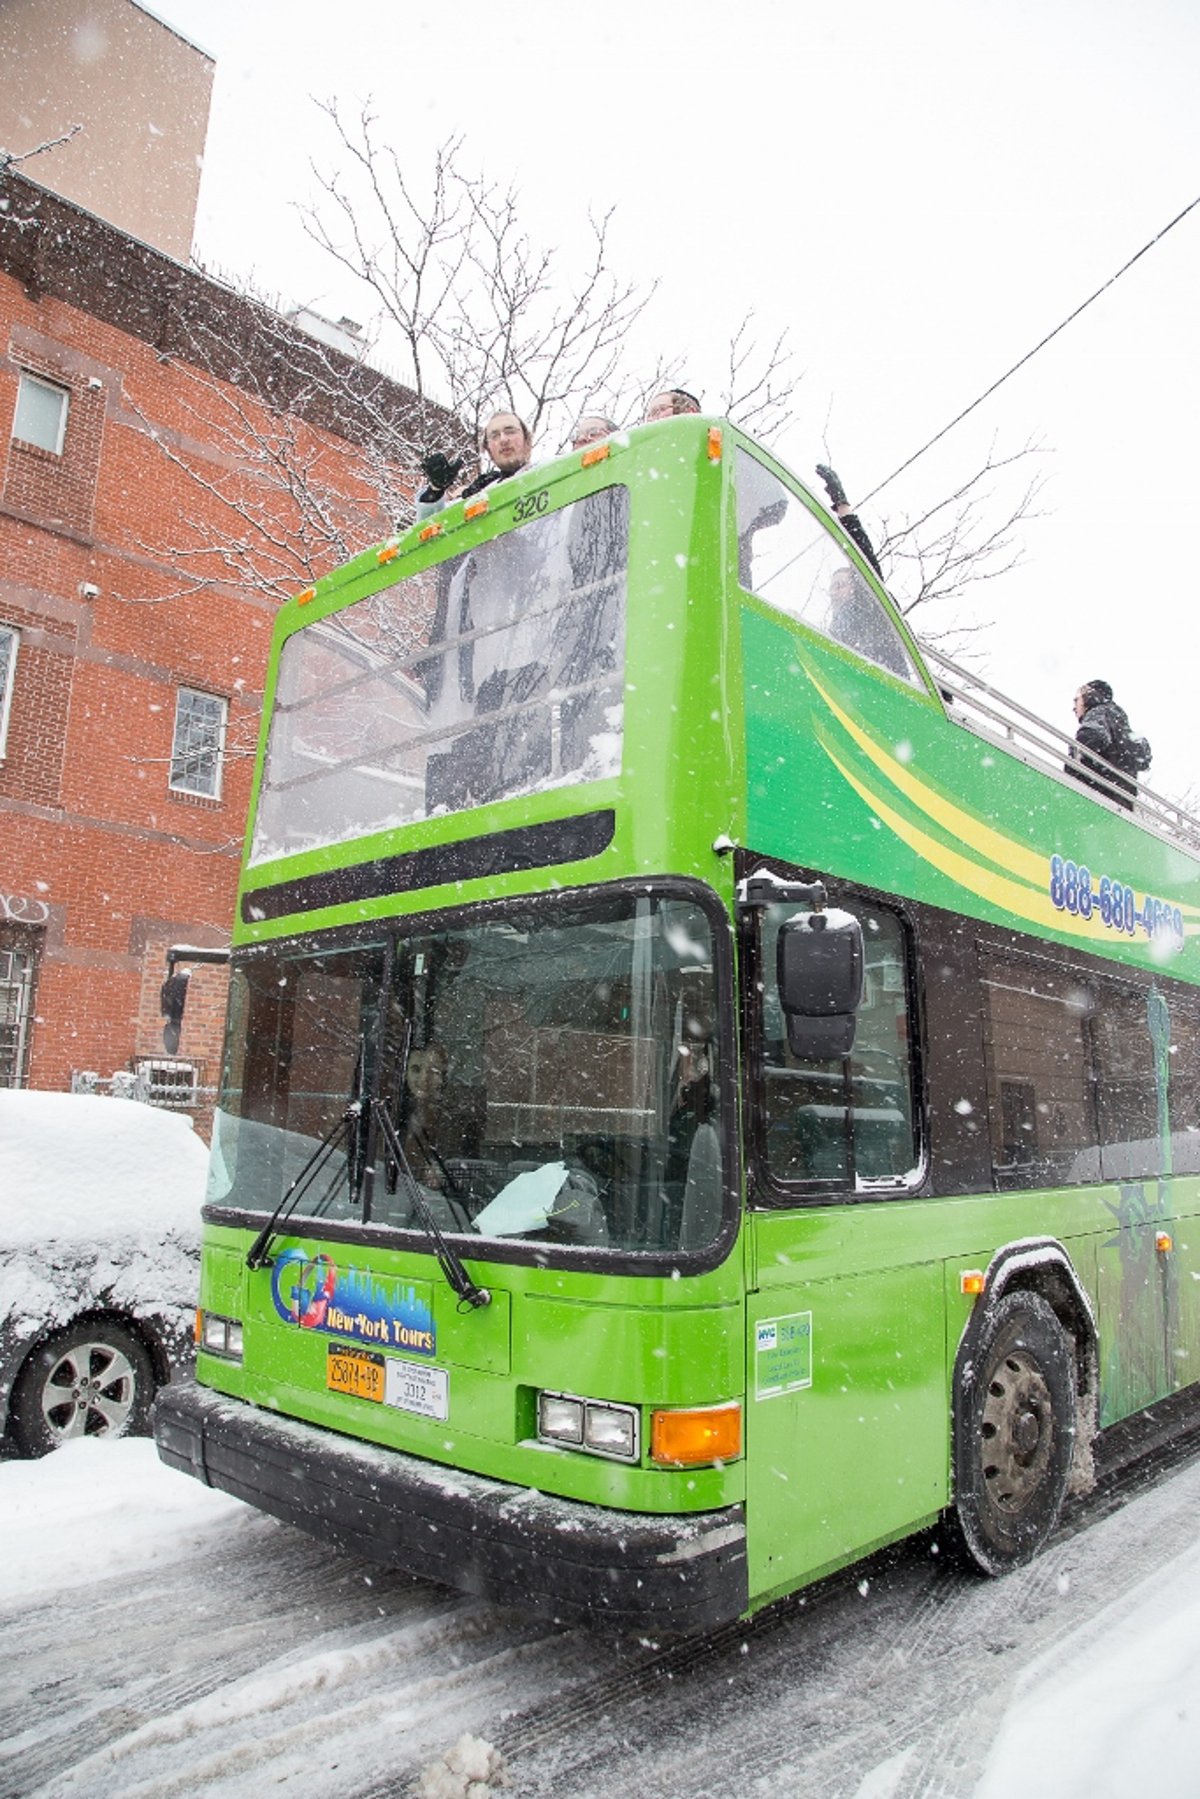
636, 657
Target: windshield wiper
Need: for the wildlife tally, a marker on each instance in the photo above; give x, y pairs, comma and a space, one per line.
456, 1275
256, 1255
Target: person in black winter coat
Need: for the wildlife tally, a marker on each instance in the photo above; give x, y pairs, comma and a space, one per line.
847, 517
1104, 759
507, 442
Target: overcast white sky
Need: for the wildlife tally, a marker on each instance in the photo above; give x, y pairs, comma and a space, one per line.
920, 191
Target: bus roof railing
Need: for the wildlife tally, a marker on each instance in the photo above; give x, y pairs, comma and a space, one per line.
990, 714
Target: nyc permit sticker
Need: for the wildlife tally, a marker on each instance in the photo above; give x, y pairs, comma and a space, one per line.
782, 1355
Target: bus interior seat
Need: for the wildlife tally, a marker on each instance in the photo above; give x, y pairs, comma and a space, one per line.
700, 1219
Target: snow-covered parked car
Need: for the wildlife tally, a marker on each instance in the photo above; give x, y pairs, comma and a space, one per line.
99, 1256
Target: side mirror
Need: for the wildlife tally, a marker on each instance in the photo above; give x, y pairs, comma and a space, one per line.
819, 968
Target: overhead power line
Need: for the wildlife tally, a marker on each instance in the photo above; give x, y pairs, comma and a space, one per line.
988, 392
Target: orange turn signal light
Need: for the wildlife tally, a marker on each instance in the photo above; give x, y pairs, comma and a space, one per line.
388, 553
476, 509
1164, 1243
595, 453
434, 530
714, 443
302, 599
685, 1439
198, 1329
972, 1281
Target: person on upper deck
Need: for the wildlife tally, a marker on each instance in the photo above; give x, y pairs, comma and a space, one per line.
1109, 756
590, 429
857, 619
671, 403
849, 520
506, 441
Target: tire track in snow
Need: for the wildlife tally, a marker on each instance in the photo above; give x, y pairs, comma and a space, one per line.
821, 1698
180, 1635
262, 1659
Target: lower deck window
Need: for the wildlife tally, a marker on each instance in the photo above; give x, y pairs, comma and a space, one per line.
1090, 1077
847, 1123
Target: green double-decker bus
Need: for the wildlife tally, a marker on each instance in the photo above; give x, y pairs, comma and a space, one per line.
708, 1091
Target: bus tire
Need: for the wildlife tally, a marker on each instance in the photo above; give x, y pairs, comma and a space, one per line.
93, 1379
1015, 1434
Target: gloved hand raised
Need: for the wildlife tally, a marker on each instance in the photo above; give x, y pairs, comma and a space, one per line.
439, 470
833, 487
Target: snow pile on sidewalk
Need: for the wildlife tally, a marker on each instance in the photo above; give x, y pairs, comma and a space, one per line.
1114, 1708
102, 1506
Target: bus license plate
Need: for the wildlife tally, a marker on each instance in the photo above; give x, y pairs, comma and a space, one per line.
359, 1372
412, 1388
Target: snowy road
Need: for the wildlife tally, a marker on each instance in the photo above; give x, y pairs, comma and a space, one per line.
161, 1640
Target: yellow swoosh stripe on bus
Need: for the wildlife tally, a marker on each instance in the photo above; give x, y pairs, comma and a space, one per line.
985, 883
1004, 851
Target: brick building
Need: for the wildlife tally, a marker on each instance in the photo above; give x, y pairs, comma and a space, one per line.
145, 544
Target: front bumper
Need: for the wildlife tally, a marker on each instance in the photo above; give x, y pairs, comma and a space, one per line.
516, 1546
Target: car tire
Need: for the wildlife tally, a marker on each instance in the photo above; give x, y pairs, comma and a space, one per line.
93, 1379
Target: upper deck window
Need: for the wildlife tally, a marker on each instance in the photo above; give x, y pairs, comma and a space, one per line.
498, 672
788, 557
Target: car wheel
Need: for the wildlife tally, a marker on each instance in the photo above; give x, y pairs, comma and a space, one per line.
1015, 1434
91, 1380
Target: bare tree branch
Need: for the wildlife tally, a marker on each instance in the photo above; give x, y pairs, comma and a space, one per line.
969, 535
12, 159
276, 503
759, 390
485, 317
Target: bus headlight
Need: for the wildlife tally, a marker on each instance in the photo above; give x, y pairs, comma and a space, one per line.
560, 1420
611, 1430
220, 1336
594, 1425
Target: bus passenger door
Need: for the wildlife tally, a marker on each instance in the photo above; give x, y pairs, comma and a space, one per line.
846, 1422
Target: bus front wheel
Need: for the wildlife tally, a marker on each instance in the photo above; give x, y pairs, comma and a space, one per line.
1015, 1434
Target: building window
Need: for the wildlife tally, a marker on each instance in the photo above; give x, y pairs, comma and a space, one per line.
199, 743
8, 669
18, 974
41, 415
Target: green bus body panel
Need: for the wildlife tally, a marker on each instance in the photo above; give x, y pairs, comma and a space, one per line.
836, 1324
638, 1342
843, 1455
854, 773
861, 1454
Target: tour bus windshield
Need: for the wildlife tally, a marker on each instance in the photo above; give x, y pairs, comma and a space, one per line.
497, 672
552, 1075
